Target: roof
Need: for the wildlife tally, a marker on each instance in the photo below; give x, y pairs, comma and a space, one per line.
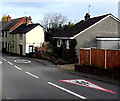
9, 24
24, 28
79, 27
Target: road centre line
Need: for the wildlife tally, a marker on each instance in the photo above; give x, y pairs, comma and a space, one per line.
0, 62
17, 68
4, 59
10, 63
66, 90
32, 75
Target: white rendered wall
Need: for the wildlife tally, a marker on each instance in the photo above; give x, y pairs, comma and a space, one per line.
34, 37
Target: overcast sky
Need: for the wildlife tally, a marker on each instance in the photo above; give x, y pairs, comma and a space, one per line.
74, 11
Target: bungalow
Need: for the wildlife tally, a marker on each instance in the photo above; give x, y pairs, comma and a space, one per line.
21, 35
86, 31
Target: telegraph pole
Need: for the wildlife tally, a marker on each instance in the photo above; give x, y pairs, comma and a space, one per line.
89, 8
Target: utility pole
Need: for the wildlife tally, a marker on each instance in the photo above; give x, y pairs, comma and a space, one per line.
89, 8
25, 13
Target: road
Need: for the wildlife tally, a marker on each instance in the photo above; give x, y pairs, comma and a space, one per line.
25, 78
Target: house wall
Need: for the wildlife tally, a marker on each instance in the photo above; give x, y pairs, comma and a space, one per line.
6, 39
19, 42
13, 43
106, 28
35, 38
16, 42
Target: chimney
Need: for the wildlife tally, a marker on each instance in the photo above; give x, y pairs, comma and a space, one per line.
28, 20
87, 16
8, 18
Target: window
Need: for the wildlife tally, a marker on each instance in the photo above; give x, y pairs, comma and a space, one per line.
2, 34
59, 43
31, 48
20, 36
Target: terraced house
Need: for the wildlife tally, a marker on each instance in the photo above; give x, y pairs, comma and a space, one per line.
21, 35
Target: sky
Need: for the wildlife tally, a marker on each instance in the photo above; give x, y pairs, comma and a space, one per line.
74, 10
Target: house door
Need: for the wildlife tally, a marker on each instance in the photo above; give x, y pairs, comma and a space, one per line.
21, 48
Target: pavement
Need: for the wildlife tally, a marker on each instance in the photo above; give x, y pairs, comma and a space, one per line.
70, 68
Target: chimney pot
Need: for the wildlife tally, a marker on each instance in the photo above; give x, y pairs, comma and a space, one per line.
87, 16
8, 18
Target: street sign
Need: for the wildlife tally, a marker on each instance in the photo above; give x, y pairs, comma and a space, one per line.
22, 61
85, 83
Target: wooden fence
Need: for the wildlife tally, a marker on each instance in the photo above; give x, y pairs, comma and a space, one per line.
99, 57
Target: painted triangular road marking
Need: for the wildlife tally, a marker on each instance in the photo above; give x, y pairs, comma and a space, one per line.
88, 84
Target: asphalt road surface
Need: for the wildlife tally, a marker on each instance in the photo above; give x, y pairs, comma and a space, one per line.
25, 78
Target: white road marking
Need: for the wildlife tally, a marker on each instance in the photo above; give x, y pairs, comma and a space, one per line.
68, 91
17, 68
0, 62
85, 83
22, 61
10, 63
4, 59
32, 75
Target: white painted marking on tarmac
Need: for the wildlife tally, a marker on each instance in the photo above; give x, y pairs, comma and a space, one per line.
4, 59
17, 68
85, 83
10, 63
0, 62
22, 61
32, 75
66, 90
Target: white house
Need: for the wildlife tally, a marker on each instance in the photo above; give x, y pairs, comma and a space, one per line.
22, 37
26, 37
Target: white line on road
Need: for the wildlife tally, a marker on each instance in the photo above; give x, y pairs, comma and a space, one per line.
0, 62
10, 63
68, 91
17, 68
4, 59
32, 75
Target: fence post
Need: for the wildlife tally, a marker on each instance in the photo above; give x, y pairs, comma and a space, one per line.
90, 56
105, 59
79, 55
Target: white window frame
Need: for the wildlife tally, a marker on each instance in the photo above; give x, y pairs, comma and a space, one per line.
6, 34
59, 42
67, 44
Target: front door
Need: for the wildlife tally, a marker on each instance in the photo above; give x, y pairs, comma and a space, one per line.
21, 49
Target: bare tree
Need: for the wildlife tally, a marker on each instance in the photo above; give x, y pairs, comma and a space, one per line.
53, 20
